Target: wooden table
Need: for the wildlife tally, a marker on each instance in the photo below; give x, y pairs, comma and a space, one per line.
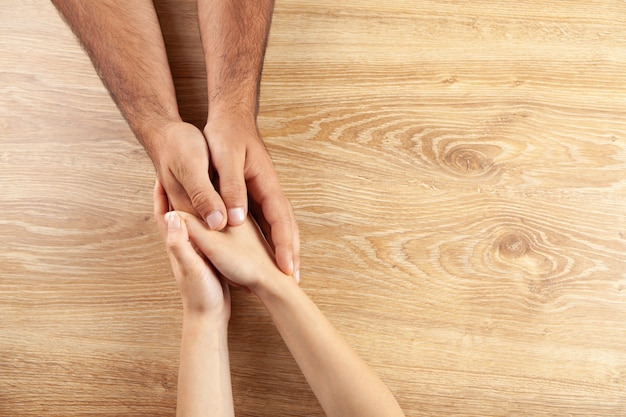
458, 170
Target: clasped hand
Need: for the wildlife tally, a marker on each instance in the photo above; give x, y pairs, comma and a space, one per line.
240, 254
236, 154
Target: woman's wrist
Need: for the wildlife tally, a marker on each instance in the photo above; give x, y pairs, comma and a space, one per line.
205, 322
272, 286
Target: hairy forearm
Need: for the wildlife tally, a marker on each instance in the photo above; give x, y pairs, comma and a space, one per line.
342, 382
204, 384
126, 46
234, 36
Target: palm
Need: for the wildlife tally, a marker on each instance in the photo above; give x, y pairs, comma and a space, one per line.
202, 290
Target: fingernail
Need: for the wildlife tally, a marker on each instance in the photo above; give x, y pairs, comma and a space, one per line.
236, 215
173, 220
296, 275
214, 220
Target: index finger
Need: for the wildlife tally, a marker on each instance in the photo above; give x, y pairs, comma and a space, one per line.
161, 206
280, 218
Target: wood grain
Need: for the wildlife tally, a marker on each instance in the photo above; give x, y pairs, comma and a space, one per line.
458, 171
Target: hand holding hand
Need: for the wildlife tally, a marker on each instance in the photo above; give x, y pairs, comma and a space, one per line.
202, 291
244, 167
239, 253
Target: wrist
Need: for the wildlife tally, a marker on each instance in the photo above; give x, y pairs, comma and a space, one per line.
165, 137
243, 117
153, 135
273, 286
212, 323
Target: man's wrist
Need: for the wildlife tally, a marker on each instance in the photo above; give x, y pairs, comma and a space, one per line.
153, 136
242, 116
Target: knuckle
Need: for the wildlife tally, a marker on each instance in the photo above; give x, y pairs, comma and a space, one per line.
233, 189
201, 200
172, 247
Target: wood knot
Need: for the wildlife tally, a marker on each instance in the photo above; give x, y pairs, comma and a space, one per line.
469, 161
525, 252
513, 245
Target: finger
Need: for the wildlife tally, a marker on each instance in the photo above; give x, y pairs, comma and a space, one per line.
177, 196
228, 159
204, 199
218, 247
278, 213
178, 246
232, 189
201, 236
296, 251
294, 232
257, 215
161, 206
266, 230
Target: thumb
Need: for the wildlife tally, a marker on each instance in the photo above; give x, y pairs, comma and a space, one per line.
182, 254
205, 200
232, 186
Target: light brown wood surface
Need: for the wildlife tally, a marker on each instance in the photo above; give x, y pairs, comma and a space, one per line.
458, 171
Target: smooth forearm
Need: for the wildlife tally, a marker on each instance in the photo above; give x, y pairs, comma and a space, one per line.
234, 35
125, 44
342, 382
204, 384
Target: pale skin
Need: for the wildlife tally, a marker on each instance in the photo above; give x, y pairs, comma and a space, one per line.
343, 383
204, 385
125, 43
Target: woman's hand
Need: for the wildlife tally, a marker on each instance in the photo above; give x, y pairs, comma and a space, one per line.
240, 253
203, 293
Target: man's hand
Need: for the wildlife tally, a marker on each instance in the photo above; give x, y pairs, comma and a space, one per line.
181, 159
242, 166
234, 35
245, 168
